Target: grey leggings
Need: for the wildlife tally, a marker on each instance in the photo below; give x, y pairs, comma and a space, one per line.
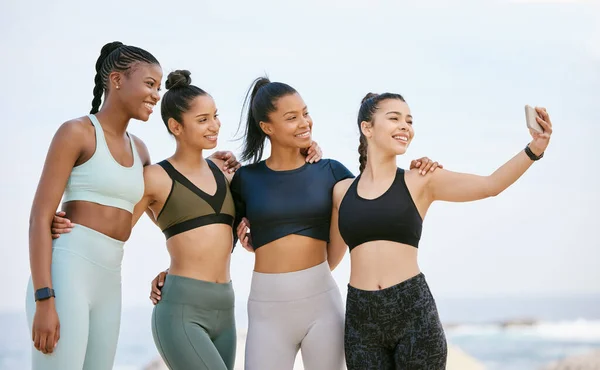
194, 325
394, 328
291, 311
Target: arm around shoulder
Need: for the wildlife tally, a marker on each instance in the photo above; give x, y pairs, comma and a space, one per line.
154, 179
336, 248
142, 150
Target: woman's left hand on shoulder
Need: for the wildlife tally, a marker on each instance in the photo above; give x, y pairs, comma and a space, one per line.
424, 165
231, 163
313, 153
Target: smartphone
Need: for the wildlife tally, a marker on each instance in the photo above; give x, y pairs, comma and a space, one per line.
530, 115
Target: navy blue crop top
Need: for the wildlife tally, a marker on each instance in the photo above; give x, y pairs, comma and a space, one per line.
393, 216
281, 203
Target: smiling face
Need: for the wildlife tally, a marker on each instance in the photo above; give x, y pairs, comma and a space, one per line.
137, 89
200, 124
390, 129
290, 125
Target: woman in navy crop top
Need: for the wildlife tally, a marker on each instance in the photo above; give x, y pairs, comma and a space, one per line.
380, 218
294, 302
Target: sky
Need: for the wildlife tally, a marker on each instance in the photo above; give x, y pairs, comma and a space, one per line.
465, 67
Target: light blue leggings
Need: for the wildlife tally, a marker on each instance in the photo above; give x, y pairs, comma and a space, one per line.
86, 276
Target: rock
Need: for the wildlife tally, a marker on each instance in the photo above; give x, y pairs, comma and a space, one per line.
517, 323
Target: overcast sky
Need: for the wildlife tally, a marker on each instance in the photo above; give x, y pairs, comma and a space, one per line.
465, 67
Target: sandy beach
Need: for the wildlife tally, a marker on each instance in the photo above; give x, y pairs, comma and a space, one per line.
587, 361
457, 359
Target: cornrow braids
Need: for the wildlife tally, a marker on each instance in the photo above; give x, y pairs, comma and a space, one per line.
115, 56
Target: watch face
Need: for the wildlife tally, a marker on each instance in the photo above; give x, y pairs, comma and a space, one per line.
44, 293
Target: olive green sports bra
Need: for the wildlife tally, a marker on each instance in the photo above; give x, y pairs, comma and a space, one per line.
187, 207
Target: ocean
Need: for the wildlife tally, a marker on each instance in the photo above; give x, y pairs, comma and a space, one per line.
502, 333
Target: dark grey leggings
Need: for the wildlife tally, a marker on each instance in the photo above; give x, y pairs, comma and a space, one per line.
194, 325
394, 328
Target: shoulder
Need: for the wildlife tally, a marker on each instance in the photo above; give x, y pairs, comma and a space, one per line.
73, 135
77, 128
154, 170
340, 189
247, 169
416, 181
155, 178
340, 172
220, 165
142, 149
216, 161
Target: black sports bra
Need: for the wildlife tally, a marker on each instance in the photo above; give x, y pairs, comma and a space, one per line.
392, 216
188, 207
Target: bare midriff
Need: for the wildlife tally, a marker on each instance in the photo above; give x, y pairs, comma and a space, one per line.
203, 253
290, 253
381, 264
110, 221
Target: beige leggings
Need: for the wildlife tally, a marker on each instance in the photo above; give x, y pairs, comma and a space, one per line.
293, 311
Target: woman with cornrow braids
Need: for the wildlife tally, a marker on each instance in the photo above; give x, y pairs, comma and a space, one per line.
74, 294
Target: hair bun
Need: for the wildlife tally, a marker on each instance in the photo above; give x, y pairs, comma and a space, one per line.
178, 79
368, 96
110, 47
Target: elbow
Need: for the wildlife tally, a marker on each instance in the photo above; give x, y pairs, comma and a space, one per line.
492, 189
38, 221
334, 257
493, 192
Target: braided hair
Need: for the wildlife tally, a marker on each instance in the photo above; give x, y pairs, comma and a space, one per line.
368, 107
115, 56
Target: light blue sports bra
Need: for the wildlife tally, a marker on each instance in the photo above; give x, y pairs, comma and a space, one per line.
102, 180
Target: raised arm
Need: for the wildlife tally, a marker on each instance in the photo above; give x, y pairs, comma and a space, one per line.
460, 187
336, 248
65, 149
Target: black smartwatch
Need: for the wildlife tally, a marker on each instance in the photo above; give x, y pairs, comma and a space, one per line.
532, 155
43, 294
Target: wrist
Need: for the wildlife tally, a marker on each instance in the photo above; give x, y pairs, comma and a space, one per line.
46, 303
533, 152
535, 149
43, 294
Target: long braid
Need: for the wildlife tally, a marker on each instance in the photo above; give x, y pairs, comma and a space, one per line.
362, 152
116, 57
